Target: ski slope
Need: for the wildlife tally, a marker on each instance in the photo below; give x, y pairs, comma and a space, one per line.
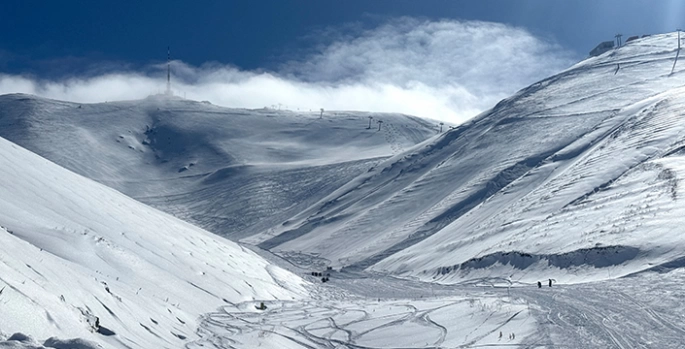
575, 177
600, 204
376, 311
234, 172
369, 324
73, 250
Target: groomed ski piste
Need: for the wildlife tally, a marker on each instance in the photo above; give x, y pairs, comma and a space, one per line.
432, 240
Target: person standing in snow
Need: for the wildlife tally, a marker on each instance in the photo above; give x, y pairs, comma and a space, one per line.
539, 284
550, 282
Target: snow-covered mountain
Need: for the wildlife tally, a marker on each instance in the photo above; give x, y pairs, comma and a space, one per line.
234, 172
73, 250
575, 177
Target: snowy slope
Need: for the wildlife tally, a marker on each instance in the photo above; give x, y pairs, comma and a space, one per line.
72, 250
575, 177
234, 172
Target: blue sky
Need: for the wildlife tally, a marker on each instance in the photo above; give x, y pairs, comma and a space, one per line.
337, 51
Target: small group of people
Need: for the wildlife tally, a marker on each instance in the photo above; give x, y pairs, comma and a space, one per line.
540, 283
511, 335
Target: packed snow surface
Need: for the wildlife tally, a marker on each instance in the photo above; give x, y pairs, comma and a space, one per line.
644, 311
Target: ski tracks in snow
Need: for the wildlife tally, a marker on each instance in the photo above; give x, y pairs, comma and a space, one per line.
360, 324
602, 316
422, 316
636, 312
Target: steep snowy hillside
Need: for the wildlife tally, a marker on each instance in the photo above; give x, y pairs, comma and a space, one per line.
234, 172
72, 250
574, 178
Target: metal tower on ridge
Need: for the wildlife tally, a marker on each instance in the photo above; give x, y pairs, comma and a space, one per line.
168, 71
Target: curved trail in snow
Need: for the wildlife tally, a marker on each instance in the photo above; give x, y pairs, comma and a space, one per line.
636, 312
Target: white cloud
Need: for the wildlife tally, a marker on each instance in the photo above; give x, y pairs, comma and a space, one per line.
448, 70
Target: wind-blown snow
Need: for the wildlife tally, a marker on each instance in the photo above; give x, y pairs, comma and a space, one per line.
73, 250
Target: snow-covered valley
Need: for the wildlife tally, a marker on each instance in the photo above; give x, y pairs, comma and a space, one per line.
428, 239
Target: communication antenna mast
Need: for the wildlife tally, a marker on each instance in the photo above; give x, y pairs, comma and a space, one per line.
677, 54
168, 71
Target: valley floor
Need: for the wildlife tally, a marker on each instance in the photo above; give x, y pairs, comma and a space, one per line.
362, 311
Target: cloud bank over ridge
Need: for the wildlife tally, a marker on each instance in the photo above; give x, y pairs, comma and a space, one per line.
448, 70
